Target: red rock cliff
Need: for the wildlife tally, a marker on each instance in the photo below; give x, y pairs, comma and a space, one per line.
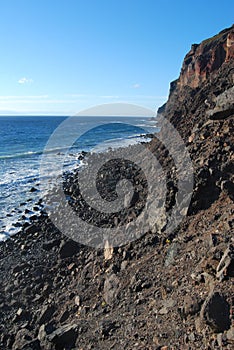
202, 60
207, 74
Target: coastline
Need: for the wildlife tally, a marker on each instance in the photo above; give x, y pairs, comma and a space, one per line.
30, 204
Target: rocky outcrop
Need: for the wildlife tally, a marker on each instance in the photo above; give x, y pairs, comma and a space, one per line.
230, 46
206, 58
204, 89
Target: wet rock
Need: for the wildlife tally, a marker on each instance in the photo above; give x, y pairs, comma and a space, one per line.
216, 312
33, 189
31, 229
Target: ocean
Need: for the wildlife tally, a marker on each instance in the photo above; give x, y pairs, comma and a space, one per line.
23, 140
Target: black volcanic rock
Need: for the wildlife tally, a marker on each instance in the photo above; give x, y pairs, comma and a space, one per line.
68, 249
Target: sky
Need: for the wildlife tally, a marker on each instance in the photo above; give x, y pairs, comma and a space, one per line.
60, 57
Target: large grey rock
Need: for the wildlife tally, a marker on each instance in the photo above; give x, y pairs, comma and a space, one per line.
111, 288
171, 254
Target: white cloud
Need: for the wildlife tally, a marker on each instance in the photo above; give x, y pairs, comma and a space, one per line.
136, 86
152, 97
110, 97
81, 96
25, 81
36, 97
78, 95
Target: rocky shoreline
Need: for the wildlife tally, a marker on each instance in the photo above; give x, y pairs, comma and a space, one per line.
158, 291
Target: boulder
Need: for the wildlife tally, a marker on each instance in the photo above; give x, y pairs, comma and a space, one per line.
111, 288
68, 249
64, 337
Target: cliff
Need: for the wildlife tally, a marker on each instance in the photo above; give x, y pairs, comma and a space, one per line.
162, 291
205, 59
207, 72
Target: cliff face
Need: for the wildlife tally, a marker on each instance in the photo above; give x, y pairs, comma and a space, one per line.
207, 72
206, 58
201, 108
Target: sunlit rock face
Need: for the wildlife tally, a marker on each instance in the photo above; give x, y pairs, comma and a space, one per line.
204, 59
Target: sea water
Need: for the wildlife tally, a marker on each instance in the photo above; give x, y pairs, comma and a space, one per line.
22, 142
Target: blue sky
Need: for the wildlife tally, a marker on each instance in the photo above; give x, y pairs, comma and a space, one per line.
59, 57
